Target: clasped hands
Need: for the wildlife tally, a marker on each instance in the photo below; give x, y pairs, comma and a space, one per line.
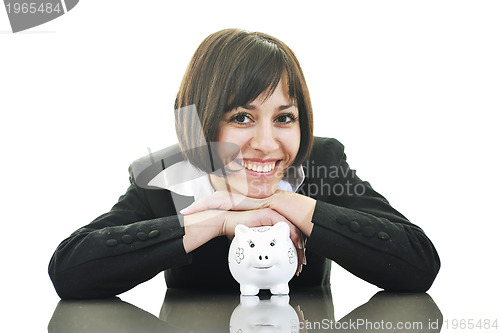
221, 212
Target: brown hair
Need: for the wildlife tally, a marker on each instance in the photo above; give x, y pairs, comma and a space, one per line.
229, 69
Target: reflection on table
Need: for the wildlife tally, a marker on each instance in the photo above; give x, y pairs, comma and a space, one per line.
307, 310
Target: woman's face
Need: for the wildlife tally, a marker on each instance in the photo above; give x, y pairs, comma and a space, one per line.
267, 132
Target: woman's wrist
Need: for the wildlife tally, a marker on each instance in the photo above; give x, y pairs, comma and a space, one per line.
201, 227
297, 208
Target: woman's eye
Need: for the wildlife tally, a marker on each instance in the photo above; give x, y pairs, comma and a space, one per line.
286, 118
241, 118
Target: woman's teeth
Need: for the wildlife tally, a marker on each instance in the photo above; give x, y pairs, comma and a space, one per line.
259, 167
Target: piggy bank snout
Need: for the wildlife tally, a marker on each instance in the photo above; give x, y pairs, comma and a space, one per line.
264, 259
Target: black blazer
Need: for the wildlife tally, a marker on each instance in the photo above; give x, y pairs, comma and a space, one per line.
142, 235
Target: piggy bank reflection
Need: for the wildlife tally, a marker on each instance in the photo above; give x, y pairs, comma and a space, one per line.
273, 315
263, 258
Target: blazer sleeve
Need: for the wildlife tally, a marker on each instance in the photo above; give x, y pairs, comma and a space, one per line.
119, 250
357, 227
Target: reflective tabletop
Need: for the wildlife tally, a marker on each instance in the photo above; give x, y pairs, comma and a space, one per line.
307, 310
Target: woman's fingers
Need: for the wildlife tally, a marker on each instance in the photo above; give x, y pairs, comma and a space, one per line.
215, 201
301, 255
224, 201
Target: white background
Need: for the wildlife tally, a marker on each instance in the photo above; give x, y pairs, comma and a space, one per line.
410, 87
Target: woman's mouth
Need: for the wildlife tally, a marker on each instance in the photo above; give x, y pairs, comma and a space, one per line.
259, 167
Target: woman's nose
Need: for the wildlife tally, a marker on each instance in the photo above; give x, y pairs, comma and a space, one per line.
264, 139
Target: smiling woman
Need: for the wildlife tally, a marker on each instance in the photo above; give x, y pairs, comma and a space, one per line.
267, 131
249, 91
230, 70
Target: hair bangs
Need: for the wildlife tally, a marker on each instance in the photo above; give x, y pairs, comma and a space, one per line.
259, 71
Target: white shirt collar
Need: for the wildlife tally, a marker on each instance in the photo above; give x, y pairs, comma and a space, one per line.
185, 179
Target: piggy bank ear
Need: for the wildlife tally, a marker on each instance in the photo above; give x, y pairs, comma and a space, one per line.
281, 228
241, 229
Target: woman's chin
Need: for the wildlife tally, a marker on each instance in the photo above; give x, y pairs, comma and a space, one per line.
260, 195
262, 192
253, 188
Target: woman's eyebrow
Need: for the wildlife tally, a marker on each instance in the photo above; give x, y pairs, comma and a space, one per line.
284, 107
248, 107
280, 108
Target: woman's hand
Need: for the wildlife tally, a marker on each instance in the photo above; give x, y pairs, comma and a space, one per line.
251, 212
226, 201
297, 209
200, 227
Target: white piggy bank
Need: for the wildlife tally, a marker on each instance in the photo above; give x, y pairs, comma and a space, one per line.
262, 258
